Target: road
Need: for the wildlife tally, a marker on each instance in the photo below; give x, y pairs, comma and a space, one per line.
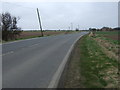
32, 63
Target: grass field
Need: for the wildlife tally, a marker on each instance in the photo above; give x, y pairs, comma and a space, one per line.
110, 43
112, 36
91, 66
97, 68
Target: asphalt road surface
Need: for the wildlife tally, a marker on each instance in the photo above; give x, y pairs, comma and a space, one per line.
32, 63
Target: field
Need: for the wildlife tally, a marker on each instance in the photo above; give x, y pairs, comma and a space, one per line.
95, 62
110, 43
34, 34
110, 34
26, 34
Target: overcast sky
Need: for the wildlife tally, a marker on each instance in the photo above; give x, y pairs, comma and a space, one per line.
60, 15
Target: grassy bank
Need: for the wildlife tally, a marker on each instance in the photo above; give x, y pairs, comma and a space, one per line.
90, 67
110, 43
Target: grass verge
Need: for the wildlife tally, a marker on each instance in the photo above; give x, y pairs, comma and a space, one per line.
90, 67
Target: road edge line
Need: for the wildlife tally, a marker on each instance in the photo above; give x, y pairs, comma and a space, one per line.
56, 78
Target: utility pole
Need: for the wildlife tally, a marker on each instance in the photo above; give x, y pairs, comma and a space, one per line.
39, 22
71, 26
68, 28
78, 27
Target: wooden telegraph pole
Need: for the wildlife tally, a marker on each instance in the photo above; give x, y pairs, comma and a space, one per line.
71, 26
78, 27
39, 22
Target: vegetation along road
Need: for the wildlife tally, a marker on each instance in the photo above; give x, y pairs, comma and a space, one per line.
95, 62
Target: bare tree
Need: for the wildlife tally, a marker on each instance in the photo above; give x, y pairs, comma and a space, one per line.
9, 26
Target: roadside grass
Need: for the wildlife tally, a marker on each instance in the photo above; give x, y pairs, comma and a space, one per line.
111, 45
90, 67
98, 70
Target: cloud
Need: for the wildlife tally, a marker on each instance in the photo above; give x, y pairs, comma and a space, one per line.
61, 0
56, 15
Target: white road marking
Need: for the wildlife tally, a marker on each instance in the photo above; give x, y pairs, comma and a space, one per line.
56, 77
34, 45
7, 53
21, 49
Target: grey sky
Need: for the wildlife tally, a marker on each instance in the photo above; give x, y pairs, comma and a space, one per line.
59, 15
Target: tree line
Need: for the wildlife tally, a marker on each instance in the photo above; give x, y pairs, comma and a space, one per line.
10, 30
104, 29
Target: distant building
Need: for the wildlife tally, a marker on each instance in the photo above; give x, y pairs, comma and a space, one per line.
106, 29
